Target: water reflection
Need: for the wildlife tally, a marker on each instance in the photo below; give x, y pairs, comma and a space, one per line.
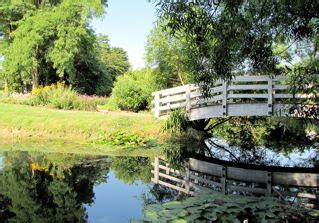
222, 150
228, 192
72, 188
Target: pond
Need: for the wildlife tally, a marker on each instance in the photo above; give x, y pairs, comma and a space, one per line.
72, 188
36, 187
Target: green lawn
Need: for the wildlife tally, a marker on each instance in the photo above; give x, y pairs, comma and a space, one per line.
25, 127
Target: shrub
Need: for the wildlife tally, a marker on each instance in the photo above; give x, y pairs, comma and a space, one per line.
88, 103
41, 94
15, 98
59, 96
176, 123
133, 90
63, 98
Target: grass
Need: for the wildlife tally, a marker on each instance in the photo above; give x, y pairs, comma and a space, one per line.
38, 128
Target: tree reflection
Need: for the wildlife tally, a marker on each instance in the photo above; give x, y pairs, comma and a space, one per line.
131, 169
38, 188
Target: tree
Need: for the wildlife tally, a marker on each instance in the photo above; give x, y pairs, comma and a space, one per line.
48, 188
170, 56
114, 58
55, 44
235, 36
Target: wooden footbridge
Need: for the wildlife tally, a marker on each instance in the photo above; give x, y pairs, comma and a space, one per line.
226, 178
243, 96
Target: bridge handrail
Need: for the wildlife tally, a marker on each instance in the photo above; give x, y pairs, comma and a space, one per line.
241, 89
230, 178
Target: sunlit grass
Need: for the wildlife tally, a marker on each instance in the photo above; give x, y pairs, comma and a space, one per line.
20, 124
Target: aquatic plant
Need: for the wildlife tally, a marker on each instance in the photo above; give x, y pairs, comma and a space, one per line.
212, 207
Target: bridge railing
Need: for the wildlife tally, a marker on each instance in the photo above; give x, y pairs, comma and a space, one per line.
242, 89
229, 180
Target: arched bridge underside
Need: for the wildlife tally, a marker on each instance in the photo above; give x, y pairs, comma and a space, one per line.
243, 96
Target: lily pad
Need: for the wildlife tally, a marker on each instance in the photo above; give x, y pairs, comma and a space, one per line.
174, 205
151, 215
314, 213
212, 216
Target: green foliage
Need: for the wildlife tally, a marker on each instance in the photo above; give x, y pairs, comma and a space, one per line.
62, 98
180, 147
123, 139
132, 169
114, 58
57, 96
211, 207
88, 103
279, 134
170, 55
176, 123
51, 188
307, 85
53, 43
133, 90
227, 37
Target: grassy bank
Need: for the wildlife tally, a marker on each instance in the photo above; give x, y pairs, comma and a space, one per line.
77, 131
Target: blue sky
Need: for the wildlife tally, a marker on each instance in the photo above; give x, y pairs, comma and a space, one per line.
127, 23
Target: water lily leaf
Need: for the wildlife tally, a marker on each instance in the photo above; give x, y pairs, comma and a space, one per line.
174, 205
194, 210
173, 213
209, 205
212, 216
179, 220
154, 207
183, 213
233, 210
194, 201
193, 217
152, 215
219, 202
314, 213
270, 214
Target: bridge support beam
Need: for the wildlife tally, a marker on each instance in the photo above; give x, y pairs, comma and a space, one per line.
224, 102
157, 105
270, 96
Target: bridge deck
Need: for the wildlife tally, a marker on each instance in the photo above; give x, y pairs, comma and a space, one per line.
243, 96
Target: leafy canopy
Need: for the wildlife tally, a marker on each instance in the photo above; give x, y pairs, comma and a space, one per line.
170, 56
227, 36
47, 44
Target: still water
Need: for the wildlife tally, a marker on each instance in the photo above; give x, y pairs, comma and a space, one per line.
70, 188
36, 187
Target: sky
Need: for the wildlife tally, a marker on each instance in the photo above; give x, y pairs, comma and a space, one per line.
127, 23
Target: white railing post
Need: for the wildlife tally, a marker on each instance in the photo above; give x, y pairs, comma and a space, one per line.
223, 180
157, 105
188, 99
156, 170
187, 179
270, 96
269, 186
224, 103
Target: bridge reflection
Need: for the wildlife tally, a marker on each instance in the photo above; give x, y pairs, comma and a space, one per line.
297, 188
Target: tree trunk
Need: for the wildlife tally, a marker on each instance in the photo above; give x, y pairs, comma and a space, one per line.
35, 71
6, 88
35, 79
179, 75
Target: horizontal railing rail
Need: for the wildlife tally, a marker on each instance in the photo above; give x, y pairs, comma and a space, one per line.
240, 91
229, 179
